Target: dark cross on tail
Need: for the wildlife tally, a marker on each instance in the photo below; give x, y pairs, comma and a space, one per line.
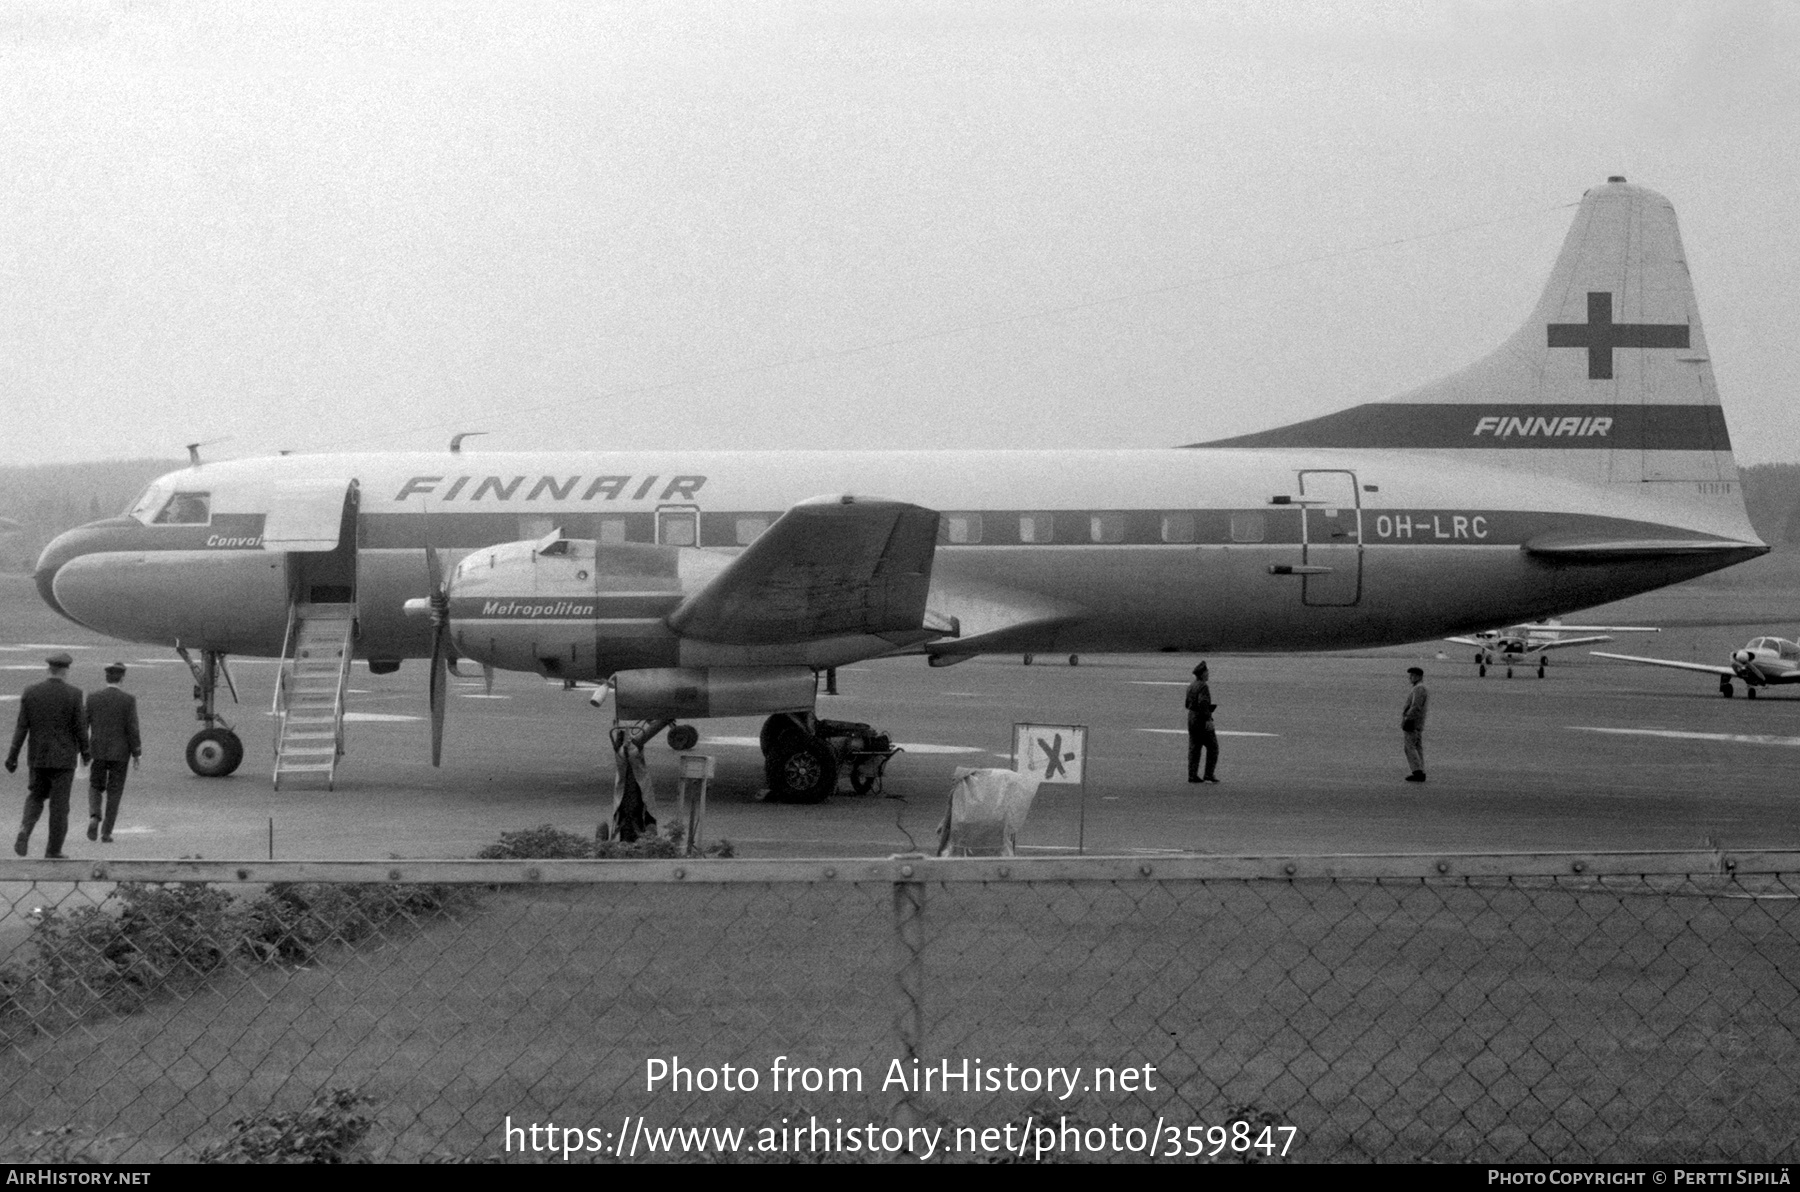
1600, 335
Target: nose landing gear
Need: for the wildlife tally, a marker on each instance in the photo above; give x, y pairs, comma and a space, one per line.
215, 750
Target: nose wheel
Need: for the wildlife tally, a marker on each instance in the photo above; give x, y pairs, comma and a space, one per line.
215, 750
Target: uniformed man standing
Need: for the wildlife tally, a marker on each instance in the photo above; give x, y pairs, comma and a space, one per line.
51, 713
1202, 736
113, 734
1412, 723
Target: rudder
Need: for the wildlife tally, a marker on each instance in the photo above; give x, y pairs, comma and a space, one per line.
1608, 381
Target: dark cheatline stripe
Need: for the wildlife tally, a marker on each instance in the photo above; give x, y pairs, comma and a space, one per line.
1585, 426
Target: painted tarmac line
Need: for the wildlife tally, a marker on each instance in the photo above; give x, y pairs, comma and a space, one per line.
378, 717
1223, 732
1683, 735
1159, 682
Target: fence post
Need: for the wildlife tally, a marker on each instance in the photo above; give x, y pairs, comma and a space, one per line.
909, 1013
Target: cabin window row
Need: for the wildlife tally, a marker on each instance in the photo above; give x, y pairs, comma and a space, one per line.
968, 529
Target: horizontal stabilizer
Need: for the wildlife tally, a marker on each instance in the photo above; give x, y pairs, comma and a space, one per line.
826, 568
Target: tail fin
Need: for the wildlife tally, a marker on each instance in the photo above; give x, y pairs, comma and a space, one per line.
1608, 382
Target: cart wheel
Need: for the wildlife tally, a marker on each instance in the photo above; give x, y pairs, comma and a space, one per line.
863, 778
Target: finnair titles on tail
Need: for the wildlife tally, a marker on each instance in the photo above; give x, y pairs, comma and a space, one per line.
1584, 460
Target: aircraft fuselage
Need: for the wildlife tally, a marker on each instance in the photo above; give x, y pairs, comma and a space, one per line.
1070, 551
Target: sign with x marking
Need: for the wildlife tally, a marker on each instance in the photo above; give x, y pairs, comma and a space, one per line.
1050, 753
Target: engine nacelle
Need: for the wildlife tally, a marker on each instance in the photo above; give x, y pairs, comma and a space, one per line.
571, 608
692, 693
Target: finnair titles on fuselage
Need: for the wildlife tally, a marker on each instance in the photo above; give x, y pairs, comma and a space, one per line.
1584, 460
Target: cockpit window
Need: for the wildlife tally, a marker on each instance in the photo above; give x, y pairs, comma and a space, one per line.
149, 501
186, 509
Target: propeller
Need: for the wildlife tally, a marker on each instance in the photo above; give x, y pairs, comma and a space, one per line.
440, 650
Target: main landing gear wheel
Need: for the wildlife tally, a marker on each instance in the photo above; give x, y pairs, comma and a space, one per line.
214, 752
1749, 692
1725, 687
801, 770
1541, 665
683, 737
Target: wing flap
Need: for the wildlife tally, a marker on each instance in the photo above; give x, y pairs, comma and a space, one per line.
827, 568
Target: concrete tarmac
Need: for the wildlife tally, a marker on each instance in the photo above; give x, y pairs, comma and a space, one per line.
1598, 756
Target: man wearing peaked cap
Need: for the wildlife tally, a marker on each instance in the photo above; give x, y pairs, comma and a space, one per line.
1203, 738
1412, 723
113, 733
53, 716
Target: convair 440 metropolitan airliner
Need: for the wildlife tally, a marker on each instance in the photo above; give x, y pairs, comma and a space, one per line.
1583, 461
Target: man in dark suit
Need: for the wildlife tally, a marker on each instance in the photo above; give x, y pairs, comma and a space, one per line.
113, 733
1202, 736
51, 713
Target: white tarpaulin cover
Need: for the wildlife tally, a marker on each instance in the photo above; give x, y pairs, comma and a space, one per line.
305, 515
986, 814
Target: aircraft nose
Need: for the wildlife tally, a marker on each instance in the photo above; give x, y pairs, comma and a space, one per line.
1742, 657
72, 544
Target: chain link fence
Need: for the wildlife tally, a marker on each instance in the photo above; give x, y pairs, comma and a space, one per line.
1617, 1008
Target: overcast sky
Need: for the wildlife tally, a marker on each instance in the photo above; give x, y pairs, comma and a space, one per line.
302, 225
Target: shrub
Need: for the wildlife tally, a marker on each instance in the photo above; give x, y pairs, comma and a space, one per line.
549, 843
329, 1130
162, 935
293, 920
167, 937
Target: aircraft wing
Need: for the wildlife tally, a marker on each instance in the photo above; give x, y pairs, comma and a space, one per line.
828, 567
1471, 641
1693, 666
1541, 646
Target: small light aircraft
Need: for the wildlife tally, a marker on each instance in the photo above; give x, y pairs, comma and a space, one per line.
1584, 460
1763, 662
1517, 644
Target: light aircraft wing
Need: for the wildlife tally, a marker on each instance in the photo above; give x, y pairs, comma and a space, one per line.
1471, 641
1538, 647
1693, 666
828, 567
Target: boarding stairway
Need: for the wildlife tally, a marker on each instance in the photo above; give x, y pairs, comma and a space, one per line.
309, 695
